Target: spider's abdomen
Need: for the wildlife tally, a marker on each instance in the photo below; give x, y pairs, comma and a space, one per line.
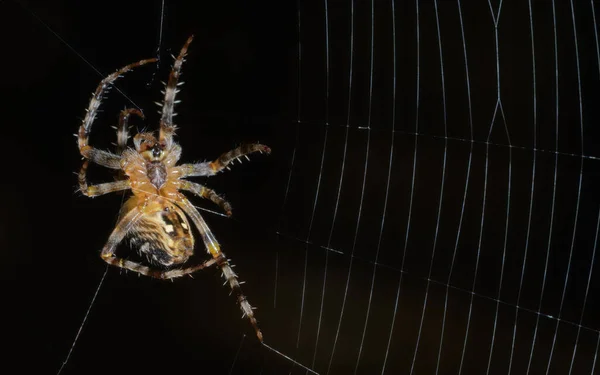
157, 173
164, 235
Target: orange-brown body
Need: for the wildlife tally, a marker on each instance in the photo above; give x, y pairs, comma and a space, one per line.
155, 217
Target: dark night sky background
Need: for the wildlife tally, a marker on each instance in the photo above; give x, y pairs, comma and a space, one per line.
244, 83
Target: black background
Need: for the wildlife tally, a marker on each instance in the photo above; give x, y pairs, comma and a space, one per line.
244, 82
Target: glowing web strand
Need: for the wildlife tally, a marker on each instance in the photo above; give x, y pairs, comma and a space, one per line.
537, 321
85, 317
567, 274
464, 199
293, 159
325, 3
63, 41
514, 335
441, 196
364, 332
412, 188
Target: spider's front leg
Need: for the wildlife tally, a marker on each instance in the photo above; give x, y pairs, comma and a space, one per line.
123, 129
214, 167
219, 258
100, 157
123, 227
204, 192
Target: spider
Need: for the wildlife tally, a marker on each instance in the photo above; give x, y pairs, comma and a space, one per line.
155, 217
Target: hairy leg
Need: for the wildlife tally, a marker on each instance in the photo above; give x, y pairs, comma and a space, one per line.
207, 193
214, 249
100, 189
214, 167
103, 158
167, 128
123, 129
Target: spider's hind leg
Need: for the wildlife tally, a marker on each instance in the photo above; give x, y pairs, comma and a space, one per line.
214, 249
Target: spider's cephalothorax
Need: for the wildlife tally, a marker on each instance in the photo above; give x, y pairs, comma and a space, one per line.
155, 217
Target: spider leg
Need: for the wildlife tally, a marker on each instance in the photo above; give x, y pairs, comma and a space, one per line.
103, 158
117, 235
204, 192
214, 167
100, 189
123, 129
167, 128
214, 249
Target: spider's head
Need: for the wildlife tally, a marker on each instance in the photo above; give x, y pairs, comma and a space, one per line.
149, 147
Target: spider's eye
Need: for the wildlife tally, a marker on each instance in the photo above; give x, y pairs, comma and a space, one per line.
156, 151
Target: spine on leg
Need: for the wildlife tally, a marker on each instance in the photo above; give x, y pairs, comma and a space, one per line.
231, 279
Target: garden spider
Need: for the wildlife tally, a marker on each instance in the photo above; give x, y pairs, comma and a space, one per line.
154, 217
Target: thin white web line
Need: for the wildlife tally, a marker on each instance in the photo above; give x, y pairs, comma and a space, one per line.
441, 196
364, 333
537, 321
325, 3
446, 284
287, 188
587, 289
499, 103
465, 140
343, 168
498, 106
462, 356
360, 207
159, 47
237, 353
64, 42
319, 179
87, 313
596, 355
567, 274
412, 187
514, 335
341, 179
595, 243
464, 200
289, 359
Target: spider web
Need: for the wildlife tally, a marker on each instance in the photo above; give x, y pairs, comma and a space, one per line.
429, 207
